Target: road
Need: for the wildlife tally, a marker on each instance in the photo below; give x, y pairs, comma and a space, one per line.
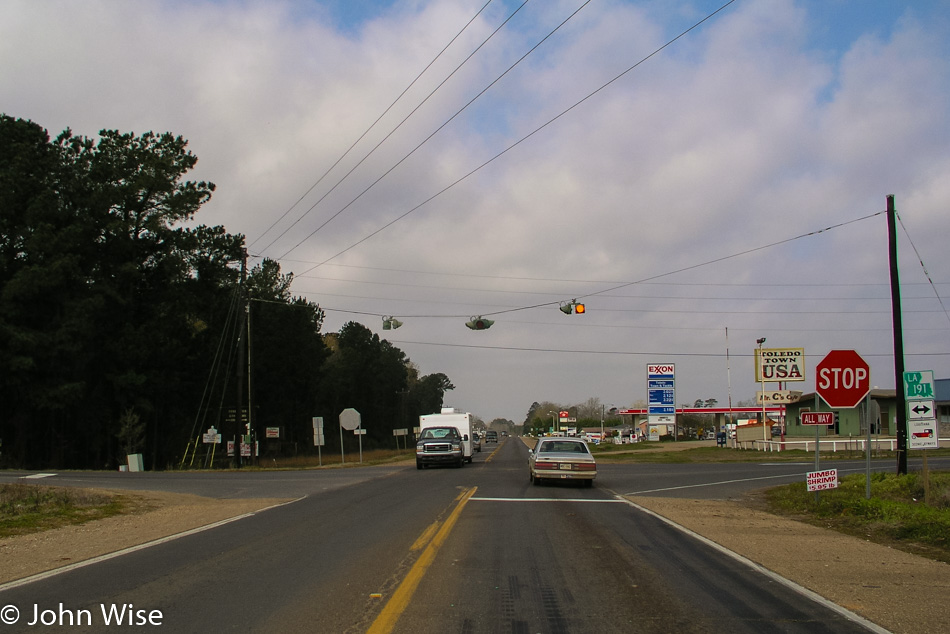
476, 549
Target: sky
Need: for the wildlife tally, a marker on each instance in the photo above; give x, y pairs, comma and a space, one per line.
698, 178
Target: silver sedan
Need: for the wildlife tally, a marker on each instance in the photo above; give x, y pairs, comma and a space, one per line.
561, 459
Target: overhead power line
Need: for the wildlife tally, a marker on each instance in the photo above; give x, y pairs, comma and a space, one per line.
516, 143
653, 354
577, 281
922, 266
658, 276
701, 264
365, 132
440, 128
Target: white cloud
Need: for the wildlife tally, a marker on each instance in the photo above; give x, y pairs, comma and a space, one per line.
748, 131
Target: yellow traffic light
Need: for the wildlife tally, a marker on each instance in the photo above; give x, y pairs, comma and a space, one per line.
572, 308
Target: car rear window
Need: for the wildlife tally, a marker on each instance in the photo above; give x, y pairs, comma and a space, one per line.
562, 446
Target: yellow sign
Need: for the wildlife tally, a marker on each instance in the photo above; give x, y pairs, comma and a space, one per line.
779, 364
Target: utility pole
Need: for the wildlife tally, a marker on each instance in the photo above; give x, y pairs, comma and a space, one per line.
898, 337
239, 411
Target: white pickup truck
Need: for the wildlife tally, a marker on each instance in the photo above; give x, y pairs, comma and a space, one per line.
426, 452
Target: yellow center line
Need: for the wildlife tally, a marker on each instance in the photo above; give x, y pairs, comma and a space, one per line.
492, 454
426, 536
394, 608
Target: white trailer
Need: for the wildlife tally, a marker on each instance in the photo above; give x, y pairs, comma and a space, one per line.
450, 417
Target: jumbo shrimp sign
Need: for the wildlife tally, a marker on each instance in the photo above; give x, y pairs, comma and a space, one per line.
779, 365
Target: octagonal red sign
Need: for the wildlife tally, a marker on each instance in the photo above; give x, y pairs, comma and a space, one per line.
844, 379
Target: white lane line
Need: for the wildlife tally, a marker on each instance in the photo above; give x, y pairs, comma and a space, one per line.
713, 484
131, 549
791, 585
37, 476
543, 500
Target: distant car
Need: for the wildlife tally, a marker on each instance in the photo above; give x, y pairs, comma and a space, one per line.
491, 436
561, 459
476, 441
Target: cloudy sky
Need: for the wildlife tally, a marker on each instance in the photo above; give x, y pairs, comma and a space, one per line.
434, 160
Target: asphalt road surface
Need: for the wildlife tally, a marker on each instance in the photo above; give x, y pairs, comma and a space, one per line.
476, 549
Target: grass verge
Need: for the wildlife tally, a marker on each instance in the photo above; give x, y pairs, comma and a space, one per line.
895, 515
370, 457
654, 453
26, 508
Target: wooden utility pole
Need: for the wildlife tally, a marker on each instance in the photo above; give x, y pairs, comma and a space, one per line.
901, 402
239, 411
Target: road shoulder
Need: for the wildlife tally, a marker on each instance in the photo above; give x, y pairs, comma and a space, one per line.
897, 590
156, 515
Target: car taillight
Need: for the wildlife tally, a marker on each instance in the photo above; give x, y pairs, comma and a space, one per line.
545, 465
584, 466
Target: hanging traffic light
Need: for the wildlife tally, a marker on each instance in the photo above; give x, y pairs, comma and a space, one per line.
391, 323
479, 323
573, 307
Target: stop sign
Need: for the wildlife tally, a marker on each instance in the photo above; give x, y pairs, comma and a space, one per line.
350, 419
844, 379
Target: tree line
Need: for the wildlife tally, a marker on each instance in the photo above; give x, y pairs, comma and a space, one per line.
119, 316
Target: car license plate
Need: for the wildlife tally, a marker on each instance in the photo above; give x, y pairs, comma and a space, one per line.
566, 467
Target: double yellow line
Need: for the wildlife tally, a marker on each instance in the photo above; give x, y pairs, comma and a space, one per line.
394, 608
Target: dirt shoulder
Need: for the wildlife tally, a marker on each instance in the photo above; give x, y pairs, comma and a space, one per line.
153, 515
894, 589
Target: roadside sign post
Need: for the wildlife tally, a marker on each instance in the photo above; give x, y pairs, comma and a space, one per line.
349, 420
843, 381
661, 396
817, 418
922, 430
777, 365
318, 438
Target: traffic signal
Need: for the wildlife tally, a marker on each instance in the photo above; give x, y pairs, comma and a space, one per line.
479, 323
573, 307
391, 323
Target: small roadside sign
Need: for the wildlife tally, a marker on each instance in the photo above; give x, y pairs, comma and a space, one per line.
919, 385
818, 418
777, 397
922, 430
350, 419
822, 480
920, 410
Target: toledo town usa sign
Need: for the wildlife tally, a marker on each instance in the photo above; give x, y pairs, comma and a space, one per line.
779, 364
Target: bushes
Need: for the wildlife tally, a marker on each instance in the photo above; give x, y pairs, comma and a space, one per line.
895, 512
